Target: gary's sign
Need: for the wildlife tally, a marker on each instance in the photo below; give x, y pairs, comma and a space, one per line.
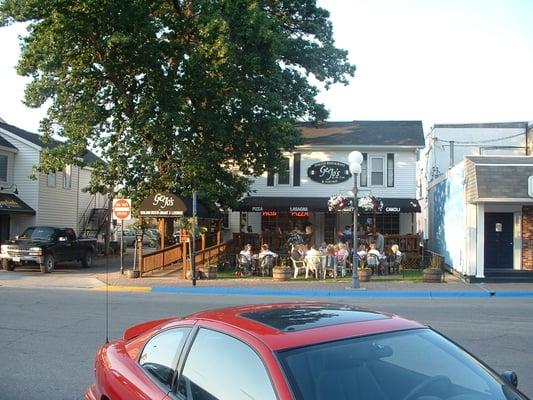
329, 172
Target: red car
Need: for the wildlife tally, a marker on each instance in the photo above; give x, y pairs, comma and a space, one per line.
310, 351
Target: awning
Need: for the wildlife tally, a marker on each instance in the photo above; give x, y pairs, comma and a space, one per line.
11, 204
317, 204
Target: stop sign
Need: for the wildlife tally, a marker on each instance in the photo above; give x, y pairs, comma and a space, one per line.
122, 209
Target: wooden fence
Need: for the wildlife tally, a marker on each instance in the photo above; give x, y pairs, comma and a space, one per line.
162, 258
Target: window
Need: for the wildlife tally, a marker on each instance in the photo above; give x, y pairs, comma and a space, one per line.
3, 167
67, 177
390, 169
51, 179
376, 173
211, 371
364, 171
160, 355
284, 172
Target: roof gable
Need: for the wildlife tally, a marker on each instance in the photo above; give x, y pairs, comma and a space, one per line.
364, 133
88, 157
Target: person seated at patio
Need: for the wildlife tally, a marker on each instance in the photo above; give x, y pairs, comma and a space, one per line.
245, 259
374, 258
342, 257
330, 261
397, 258
313, 261
265, 257
347, 233
296, 254
323, 248
380, 241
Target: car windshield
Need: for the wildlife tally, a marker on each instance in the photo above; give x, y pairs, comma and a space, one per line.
38, 233
406, 365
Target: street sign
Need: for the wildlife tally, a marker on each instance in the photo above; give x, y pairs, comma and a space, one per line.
530, 186
122, 209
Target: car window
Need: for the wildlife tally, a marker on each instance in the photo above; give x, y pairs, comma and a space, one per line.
160, 354
70, 234
221, 367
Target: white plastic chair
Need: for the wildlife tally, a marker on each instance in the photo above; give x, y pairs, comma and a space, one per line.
297, 265
312, 263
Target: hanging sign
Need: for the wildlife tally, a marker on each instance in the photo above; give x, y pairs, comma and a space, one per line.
329, 172
163, 204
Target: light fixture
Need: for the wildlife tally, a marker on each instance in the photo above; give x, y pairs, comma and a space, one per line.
355, 158
16, 191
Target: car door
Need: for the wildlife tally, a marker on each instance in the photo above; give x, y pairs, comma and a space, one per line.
61, 247
71, 249
152, 374
220, 366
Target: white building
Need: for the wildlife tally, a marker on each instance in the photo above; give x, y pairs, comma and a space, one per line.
56, 199
476, 193
446, 145
299, 195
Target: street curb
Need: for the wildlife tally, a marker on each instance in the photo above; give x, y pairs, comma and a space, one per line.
339, 293
438, 294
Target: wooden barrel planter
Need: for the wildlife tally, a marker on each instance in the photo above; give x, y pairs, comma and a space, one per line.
208, 272
432, 275
364, 274
281, 273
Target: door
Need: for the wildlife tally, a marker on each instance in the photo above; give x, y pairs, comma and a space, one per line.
4, 227
499, 232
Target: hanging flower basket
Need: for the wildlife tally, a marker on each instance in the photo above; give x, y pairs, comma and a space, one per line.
370, 203
338, 203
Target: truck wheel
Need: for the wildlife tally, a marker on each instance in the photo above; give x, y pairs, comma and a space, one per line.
87, 259
6, 265
48, 265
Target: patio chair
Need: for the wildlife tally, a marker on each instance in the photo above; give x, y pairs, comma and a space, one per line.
372, 262
243, 265
313, 264
266, 262
297, 265
330, 264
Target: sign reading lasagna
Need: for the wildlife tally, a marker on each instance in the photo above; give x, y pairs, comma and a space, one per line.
329, 172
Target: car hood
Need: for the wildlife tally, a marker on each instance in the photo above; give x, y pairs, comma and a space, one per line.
26, 244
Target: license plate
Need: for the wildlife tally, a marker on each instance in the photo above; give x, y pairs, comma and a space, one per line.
16, 259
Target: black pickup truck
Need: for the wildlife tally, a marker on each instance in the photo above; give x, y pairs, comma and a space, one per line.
46, 246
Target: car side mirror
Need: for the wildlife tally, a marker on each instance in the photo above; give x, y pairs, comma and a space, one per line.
61, 239
510, 377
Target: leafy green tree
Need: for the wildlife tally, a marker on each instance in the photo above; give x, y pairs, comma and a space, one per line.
176, 95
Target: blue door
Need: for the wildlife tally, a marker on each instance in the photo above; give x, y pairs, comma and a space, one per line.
499, 240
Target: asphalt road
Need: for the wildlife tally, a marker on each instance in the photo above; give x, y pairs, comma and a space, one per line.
48, 337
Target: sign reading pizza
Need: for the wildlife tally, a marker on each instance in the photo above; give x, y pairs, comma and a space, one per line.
329, 172
122, 209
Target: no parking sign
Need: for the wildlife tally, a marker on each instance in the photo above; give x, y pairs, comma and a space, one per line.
122, 209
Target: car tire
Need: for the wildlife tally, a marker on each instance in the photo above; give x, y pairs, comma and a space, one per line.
87, 259
7, 265
48, 265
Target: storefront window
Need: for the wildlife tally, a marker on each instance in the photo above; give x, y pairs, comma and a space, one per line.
388, 224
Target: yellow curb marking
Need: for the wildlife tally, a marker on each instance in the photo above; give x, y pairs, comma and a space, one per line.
123, 288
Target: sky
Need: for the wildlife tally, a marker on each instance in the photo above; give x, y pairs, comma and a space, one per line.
439, 61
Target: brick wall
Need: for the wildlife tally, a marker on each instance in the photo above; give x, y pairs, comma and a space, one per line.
527, 237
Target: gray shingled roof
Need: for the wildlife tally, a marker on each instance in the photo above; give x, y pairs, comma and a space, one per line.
88, 157
364, 133
520, 124
5, 143
502, 178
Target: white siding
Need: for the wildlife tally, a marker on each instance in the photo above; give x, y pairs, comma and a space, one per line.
28, 190
404, 180
58, 206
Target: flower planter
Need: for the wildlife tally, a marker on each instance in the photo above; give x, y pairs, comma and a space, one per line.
432, 275
281, 273
364, 274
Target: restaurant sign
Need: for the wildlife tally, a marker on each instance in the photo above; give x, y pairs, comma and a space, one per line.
329, 172
163, 204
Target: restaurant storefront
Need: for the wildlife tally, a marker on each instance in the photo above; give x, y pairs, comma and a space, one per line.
276, 217
11, 207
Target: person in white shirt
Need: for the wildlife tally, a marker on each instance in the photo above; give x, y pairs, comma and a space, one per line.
313, 261
373, 258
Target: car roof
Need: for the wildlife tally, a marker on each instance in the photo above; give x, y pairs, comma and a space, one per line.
288, 325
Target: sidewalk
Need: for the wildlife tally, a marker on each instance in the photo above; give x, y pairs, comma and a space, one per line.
172, 282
